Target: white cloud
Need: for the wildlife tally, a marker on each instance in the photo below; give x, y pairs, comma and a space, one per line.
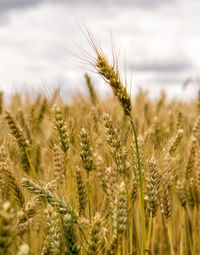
36, 44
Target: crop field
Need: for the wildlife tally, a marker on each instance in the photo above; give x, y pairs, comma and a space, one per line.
118, 175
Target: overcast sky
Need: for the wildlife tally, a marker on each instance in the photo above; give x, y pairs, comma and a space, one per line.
158, 42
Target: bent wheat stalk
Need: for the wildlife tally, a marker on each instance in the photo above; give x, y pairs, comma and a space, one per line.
112, 78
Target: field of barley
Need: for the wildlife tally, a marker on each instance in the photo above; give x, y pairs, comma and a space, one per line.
96, 176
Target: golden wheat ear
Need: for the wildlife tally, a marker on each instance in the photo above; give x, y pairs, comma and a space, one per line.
112, 77
53, 238
81, 191
110, 74
61, 128
21, 139
95, 236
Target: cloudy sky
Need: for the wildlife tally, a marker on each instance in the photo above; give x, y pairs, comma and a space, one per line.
42, 43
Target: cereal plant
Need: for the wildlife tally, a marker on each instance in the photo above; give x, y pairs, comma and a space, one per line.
117, 175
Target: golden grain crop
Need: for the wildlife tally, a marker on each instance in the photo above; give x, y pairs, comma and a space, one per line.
100, 176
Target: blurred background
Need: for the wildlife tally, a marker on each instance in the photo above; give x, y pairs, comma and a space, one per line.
42, 44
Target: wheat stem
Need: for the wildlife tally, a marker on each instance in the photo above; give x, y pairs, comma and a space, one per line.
71, 183
136, 234
149, 232
141, 187
89, 197
165, 234
170, 239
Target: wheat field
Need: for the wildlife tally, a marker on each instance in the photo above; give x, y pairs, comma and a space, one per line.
117, 175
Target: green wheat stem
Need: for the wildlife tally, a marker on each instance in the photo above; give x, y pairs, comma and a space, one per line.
120, 251
124, 244
136, 233
128, 221
141, 187
89, 198
71, 183
149, 232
